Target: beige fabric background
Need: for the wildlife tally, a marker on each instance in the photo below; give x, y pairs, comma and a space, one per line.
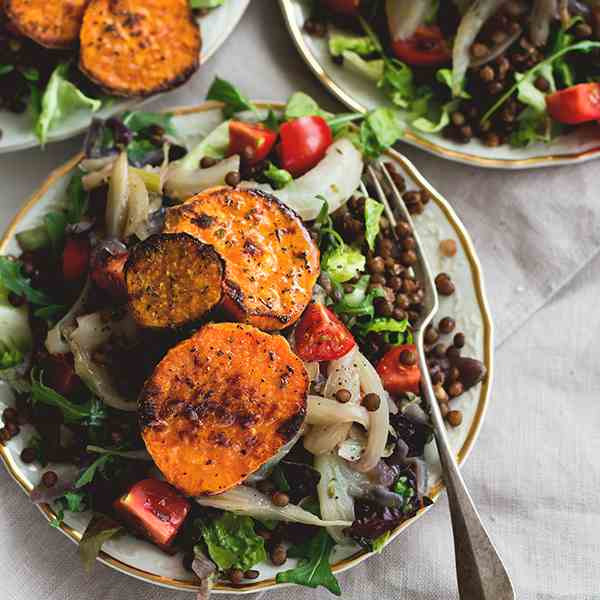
535, 472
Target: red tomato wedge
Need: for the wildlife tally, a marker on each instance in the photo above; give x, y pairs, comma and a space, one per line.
320, 335
252, 141
155, 509
304, 142
59, 373
75, 258
578, 104
342, 7
396, 377
426, 47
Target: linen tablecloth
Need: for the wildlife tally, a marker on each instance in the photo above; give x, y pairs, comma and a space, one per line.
535, 471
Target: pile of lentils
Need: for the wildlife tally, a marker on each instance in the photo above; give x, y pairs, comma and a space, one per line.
390, 267
491, 79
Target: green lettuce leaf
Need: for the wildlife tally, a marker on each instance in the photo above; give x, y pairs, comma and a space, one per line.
359, 302
302, 105
343, 263
373, 212
60, 99
214, 145
370, 69
380, 129
397, 83
445, 76
437, 118
361, 45
12, 278
232, 542
278, 177
313, 569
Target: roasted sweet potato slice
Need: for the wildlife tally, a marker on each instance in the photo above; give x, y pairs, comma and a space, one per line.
172, 279
220, 404
51, 23
271, 262
139, 47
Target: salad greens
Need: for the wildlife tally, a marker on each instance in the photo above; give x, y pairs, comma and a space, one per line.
313, 569
60, 99
99, 530
373, 212
232, 542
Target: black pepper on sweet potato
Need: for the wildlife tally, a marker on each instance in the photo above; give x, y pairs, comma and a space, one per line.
271, 262
171, 280
51, 23
139, 47
220, 404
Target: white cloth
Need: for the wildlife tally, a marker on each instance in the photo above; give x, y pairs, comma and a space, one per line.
535, 471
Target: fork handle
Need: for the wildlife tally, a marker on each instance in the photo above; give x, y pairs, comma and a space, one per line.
479, 569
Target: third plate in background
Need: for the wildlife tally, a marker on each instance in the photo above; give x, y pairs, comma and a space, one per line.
359, 94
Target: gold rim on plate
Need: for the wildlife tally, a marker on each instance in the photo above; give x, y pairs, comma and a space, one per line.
410, 137
342, 565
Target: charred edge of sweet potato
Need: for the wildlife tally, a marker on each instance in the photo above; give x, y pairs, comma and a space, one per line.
153, 246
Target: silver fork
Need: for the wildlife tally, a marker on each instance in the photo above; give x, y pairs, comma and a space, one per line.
480, 572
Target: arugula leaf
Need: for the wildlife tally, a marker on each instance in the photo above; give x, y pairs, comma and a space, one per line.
50, 313
314, 569
92, 412
10, 355
99, 530
278, 177
437, 121
359, 302
378, 544
55, 223
445, 76
31, 74
60, 99
380, 130
77, 199
397, 83
232, 98
563, 39
137, 120
5, 69
232, 542
72, 501
138, 150
584, 46
12, 278
271, 121
373, 212
360, 45
39, 445
87, 476
328, 236
343, 263
280, 480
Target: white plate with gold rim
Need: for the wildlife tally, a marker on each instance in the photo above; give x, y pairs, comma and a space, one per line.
17, 130
358, 94
468, 305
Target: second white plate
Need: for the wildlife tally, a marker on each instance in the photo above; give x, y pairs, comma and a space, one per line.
17, 130
359, 94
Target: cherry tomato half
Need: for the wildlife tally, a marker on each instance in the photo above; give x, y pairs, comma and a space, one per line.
108, 272
577, 104
252, 141
342, 7
397, 377
304, 142
320, 335
154, 508
75, 258
426, 47
59, 373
